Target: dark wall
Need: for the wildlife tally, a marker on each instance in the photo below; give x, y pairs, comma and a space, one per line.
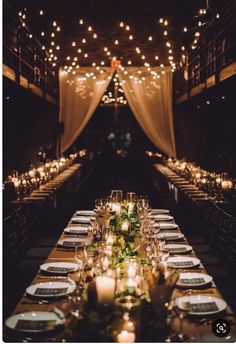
206, 133
29, 122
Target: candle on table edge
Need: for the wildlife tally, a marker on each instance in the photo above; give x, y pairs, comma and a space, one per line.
126, 337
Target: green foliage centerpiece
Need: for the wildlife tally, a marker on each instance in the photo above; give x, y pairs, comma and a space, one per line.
126, 231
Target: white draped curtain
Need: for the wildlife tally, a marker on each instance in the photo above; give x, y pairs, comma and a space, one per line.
150, 98
80, 94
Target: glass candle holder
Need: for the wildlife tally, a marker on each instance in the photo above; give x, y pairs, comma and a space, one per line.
127, 319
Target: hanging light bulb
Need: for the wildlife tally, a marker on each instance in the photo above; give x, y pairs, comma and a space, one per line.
41, 12
156, 57
127, 28
161, 20
116, 42
73, 44
42, 33
85, 55
185, 29
52, 34
54, 23
150, 38
81, 21
58, 28
131, 37
165, 33
58, 47
95, 35
79, 50
90, 28
121, 24
84, 40
129, 62
166, 22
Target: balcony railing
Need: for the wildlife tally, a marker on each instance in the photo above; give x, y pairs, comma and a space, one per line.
216, 50
24, 54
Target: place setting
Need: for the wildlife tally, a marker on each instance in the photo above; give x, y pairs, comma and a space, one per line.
77, 230
176, 248
169, 236
81, 219
193, 280
36, 322
59, 268
71, 243
182, 262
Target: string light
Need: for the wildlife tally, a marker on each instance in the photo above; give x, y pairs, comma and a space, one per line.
90, 28
81, 21
95, 35
41, 12
121, 24
54, 23
131, 37
58, 28
185, 29
127, 28
150, 38
116, 42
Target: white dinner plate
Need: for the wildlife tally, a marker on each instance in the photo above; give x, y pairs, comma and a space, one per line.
162, 217
197, 300
73, 242
76, 230
177, 248
166, 225
182, 262
81, 219
170, 236
58, 268
85, 212
160, 211
51, 289
197, 279
32, 322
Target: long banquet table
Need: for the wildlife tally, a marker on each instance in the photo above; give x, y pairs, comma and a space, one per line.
197, 329
220, 223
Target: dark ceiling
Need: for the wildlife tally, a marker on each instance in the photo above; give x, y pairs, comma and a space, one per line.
104, 16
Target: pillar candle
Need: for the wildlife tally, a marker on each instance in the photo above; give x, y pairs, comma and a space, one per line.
126, 337
105, 289
130, 208
125, 226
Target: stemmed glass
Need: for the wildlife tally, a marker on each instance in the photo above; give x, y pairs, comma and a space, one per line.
117, 195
